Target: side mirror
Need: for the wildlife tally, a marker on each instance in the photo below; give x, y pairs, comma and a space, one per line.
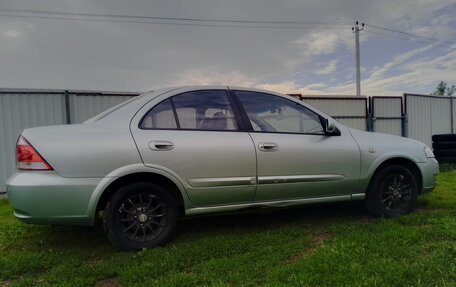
330, 127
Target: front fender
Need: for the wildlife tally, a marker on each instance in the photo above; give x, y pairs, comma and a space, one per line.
369, 169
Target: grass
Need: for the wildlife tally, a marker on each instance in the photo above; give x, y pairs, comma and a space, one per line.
334, 245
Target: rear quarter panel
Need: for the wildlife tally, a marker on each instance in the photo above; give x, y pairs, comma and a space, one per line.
85, 150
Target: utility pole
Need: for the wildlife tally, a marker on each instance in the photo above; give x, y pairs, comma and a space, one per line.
356, 30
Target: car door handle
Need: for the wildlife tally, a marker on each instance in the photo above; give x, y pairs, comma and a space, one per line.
268, 146
161, 145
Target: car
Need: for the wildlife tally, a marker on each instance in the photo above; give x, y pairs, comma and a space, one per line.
177, 152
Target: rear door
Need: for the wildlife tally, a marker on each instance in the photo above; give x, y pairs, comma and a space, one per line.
196, 136
295, 158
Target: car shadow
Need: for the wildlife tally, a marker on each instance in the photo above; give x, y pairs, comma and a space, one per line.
272, 217
93, 239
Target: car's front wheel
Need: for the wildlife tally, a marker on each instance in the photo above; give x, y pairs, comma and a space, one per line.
393, 192
140, 215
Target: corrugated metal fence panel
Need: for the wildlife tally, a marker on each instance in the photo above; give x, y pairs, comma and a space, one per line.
429, 115
349, 111
83, 106
339, 107
387, 112
359, 124
419, 118
24, 110
441, 115
387, 106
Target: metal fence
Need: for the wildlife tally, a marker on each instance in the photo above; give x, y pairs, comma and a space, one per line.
429, 115
415, 116
387, 115
350, 111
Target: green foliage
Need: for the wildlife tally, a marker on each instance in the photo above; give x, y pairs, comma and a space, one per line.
443, 89
331, 245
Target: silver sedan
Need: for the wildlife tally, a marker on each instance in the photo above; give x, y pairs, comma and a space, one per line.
194, 150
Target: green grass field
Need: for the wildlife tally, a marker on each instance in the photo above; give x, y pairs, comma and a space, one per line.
332, 245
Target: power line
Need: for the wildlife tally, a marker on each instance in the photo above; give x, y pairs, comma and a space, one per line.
180, 19
396, 36
200, 22
170, 23
410, 34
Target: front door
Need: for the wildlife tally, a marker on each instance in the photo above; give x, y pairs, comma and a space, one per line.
295, 158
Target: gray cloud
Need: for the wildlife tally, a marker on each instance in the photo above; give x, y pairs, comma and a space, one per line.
43, 53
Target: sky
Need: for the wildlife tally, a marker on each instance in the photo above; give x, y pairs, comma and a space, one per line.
316, 58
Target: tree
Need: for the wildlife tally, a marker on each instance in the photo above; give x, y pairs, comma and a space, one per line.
442, 89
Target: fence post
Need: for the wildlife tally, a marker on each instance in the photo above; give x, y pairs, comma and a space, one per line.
67, 107
370, 123
404, 125
404, 120
452, 115
370, 114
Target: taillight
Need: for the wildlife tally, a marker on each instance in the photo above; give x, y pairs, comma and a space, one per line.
27, 158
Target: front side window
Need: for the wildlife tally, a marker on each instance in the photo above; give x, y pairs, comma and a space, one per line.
199, 110
269, 113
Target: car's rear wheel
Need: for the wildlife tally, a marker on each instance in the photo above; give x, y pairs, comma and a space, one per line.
393, 192
140, 215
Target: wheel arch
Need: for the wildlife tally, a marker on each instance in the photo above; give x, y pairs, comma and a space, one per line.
134, 173
141, 177
408, 163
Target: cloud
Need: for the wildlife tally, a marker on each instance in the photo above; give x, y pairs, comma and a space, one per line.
330, 67
211, 76
379, 73
43, 53
417, 76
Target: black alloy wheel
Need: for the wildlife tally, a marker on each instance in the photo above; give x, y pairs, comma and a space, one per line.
393, 192
396, 192
141, 215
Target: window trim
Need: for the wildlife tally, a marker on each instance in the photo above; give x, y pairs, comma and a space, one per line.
237, 116
251, 130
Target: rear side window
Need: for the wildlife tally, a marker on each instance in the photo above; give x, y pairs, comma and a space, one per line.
199, 110
160, 117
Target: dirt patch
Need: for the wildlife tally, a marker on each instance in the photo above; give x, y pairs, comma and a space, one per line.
317, 242
108, 282
321, 238
5, 283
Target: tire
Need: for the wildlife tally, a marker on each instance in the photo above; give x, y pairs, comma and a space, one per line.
444, 145
393, 192
445, 152
444, 138
140, 215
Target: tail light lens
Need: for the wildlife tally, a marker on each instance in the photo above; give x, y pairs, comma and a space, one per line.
27, 158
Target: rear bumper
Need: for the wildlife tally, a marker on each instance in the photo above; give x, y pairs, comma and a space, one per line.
429, 170
44, 197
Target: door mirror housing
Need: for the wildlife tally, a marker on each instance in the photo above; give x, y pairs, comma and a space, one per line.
330, 127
